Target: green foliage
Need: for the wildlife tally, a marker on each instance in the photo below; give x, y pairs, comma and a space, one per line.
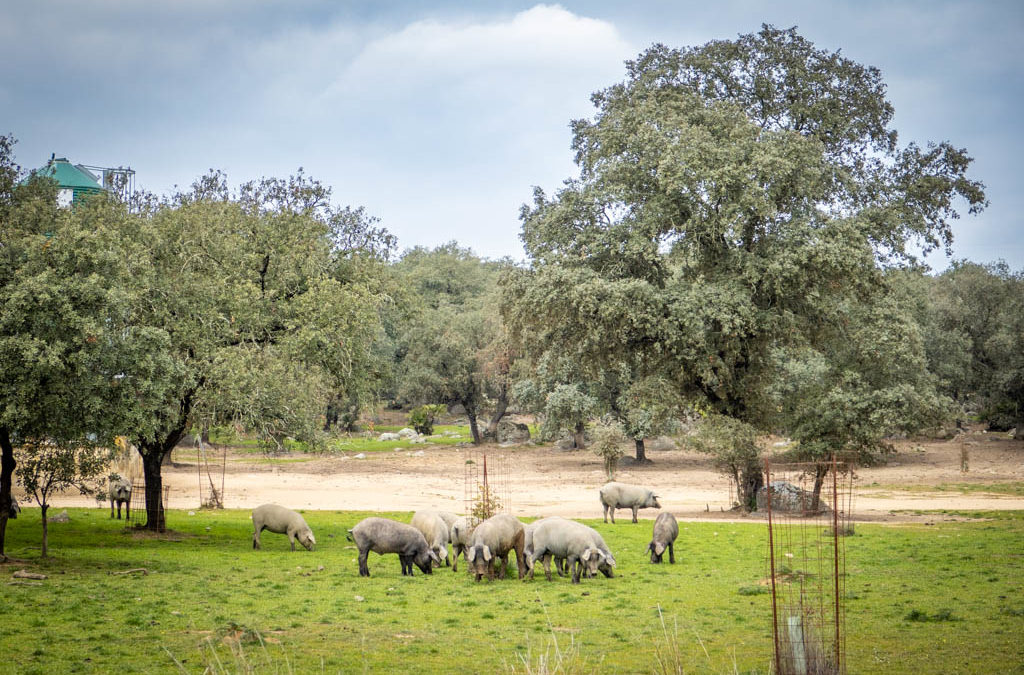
607, 445
452, 347
733, 445
422, 418
736, 206
46, 468
976, 339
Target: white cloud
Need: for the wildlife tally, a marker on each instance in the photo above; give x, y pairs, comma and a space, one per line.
545, 50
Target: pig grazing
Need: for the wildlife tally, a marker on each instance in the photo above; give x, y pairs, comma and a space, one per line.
560, 565
581, 546
492, 541
461, 535
15, 509
435, 531
282, 521
121, 493
665, 532
382, 535
622, 496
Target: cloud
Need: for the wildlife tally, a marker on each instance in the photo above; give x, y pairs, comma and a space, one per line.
545, 53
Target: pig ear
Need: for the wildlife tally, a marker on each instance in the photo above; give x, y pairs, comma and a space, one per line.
585, 556
442, 554
487, 553
659, 548
312, 539
471, 553
433, 556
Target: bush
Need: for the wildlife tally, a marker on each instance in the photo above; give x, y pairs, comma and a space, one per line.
422, 418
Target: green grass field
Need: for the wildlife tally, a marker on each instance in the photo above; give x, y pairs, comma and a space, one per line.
942, 598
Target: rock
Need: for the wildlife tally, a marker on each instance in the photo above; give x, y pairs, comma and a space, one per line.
406, 432
61, 517
660, 443
418, 440
361, 455
564, 444
788, 498
512, 432
389, 437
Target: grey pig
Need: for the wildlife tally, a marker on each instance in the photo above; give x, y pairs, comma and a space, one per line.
560, 565
15, 509
581, 546
435, 531
622, 496
121, 493
461, 534
382, 535
492, 541
665, 532
282, 521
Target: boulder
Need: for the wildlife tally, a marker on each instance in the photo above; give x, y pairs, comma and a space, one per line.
788, 498
389, 437
660, 443
407, 433
512, 432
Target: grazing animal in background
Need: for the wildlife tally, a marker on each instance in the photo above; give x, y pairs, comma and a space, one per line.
382, 535
622, 496
492, 541
435, 531
15, 509
121, 493
580, 545
280, 520
461, 534
666, 529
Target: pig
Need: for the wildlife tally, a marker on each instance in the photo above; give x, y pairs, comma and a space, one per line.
581, 546
121, 493
492, 541
622, 496
382, 535
282, 521
435, 531
665, 532
461, 535
560, 565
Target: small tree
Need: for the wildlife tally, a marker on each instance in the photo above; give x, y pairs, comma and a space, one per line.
733, 446
422, 418
608, 439
45, 468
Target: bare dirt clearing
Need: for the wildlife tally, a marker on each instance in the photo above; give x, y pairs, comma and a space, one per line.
921, 476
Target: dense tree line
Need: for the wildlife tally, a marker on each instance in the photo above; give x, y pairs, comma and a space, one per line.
738, 245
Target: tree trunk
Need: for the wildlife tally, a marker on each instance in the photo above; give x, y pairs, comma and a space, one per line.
641, 452
499, 412
749, 481
7, 465
579, 441
819, 477
44, 507
152, 461
474, 428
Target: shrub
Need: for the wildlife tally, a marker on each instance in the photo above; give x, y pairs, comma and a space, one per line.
422, 418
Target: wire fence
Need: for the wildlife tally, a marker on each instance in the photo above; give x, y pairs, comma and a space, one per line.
809, 508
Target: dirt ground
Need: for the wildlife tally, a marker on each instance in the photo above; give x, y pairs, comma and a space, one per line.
537, 481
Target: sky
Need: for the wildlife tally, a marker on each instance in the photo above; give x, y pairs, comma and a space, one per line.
440, 117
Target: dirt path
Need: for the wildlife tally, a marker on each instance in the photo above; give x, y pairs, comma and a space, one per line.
547, 481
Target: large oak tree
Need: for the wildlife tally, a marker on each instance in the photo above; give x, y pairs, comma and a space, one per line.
730, 198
